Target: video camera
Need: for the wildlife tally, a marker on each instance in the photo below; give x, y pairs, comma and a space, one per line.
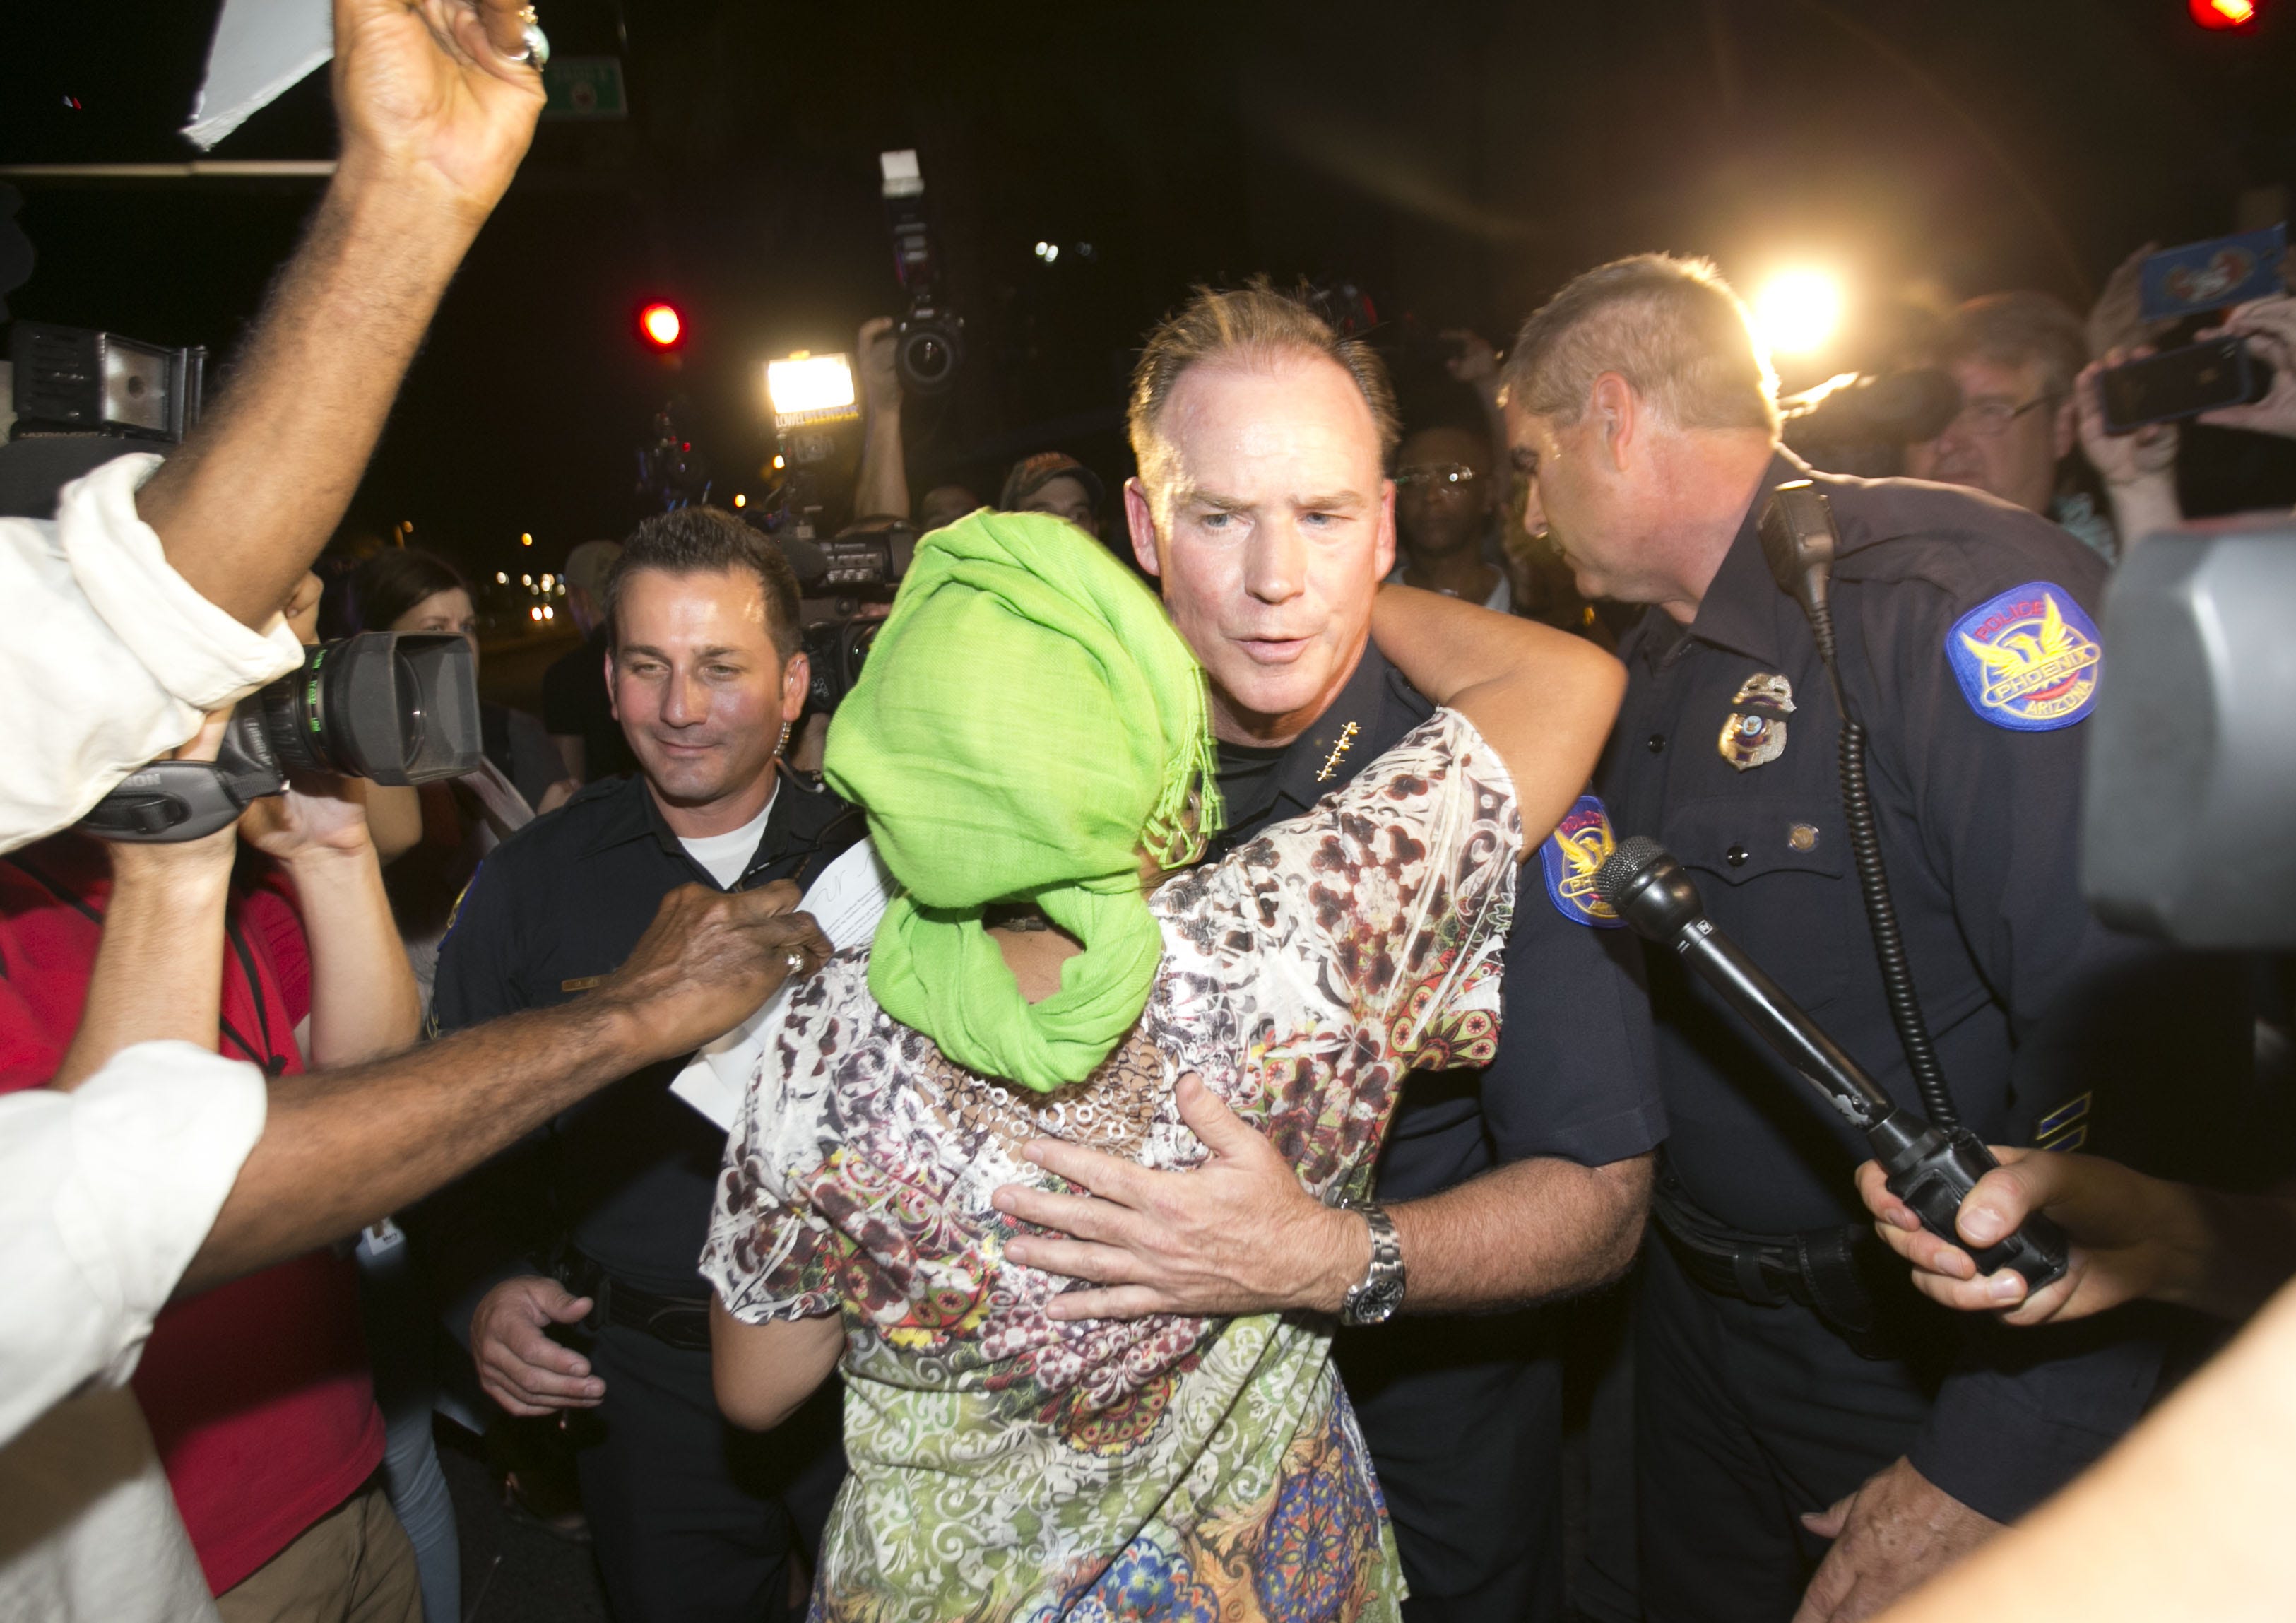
929, 336
393, 708
846, 586
74, 380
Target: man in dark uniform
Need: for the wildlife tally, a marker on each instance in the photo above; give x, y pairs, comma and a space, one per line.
1263, 507
600, 1222
1791, 1393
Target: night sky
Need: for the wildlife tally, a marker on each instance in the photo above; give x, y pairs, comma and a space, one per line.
1456, 161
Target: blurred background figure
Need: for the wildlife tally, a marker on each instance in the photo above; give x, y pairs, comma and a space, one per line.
945, 505
2014, 356
1054, 482
575, 705
1445, 510
405, 589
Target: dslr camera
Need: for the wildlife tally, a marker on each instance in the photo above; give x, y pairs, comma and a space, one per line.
930, 337
846, 586
389, 707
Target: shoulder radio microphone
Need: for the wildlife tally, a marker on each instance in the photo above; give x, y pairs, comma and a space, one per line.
1929, 1168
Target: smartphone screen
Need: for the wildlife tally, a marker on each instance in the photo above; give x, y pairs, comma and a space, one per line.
2181, 383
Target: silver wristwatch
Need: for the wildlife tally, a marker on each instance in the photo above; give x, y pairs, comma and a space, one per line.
1376, 1299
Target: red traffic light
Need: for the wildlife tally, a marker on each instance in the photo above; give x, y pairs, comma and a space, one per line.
2222, 13
661, 325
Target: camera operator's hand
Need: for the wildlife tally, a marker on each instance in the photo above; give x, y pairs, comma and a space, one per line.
435, 93
519, 1366
2139, 469
2269, 325
1476, 363
874, 347
318, 817
2115, 321
708, 961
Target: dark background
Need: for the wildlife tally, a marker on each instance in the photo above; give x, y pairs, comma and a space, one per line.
1459, 160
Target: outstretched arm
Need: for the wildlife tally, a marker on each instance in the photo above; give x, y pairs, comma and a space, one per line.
341, 1147
880, 489
1543, 699
435, 115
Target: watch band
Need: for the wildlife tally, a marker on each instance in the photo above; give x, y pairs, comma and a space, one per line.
1373, 1300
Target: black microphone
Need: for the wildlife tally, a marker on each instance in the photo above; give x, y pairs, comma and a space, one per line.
1931, 1169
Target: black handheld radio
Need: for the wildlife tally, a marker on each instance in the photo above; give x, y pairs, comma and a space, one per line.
1930, 1167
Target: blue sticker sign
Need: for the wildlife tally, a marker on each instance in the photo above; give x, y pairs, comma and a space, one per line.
1580, 845
2211, 274
2027, 659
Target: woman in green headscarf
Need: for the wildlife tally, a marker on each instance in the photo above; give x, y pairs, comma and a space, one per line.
1030, 741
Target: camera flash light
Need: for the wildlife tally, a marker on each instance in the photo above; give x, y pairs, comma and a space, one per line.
806, 389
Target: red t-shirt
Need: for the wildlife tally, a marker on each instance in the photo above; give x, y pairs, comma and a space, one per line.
257, 1391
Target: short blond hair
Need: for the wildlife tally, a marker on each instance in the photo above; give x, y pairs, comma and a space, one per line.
1253, 324
1671, 327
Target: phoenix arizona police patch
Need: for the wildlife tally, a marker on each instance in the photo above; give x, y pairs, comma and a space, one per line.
1578, 847
2028, 658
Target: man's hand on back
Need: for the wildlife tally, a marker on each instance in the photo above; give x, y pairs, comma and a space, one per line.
1237, 1235
708, 961
520, 1366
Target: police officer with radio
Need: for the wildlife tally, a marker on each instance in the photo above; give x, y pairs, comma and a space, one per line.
1813, 1440
589, 1234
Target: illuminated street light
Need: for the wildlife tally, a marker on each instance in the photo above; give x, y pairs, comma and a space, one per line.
1797, 311
501, 579
740, 500
525, 540
534, 614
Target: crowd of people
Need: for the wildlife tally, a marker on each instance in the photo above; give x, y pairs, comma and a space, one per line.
1181, 1180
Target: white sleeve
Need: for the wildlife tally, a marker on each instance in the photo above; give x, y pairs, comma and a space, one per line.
109, 658
106, 1194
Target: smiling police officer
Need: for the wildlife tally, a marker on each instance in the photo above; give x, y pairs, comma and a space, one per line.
1793, 1397
601, 1223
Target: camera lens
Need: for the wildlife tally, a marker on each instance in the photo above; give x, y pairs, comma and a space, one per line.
927, 357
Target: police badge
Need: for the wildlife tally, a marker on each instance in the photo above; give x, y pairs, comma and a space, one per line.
1757, 733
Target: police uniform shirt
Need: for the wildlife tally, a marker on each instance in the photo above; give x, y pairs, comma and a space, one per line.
628, 1174
1575, 1074
1969, 648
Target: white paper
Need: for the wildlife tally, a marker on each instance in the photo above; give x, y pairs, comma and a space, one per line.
846, 901
262, 49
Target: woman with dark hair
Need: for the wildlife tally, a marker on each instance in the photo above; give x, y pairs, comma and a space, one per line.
405, 589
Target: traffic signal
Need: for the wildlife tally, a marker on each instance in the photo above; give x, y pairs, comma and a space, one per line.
661, 326
2221, 14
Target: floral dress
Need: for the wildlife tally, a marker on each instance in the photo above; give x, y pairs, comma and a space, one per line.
1005, 1466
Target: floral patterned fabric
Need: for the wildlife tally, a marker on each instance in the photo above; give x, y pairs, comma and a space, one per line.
1007, 1466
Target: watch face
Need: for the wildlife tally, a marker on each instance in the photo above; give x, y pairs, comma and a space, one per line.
1375, 1302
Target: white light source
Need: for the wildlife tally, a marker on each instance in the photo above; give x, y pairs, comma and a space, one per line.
1797, 311
549, 613
501, 579
534, 614
1052, 252
546, 583
806, 389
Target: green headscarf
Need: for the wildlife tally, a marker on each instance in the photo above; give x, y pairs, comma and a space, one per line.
1028, 722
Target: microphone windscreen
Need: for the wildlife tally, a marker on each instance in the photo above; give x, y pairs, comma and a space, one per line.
1623, 865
